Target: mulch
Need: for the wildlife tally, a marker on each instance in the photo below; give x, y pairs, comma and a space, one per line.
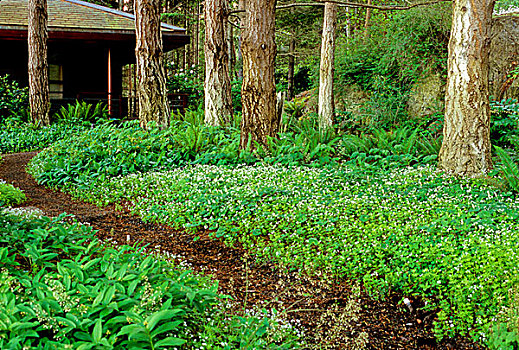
330, 314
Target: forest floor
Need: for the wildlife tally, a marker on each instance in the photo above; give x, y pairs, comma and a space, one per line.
331, 315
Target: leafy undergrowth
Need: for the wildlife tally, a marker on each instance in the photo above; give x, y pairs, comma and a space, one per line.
107, 151
60, 288
453, 243
16, 138
10, 195
450, 242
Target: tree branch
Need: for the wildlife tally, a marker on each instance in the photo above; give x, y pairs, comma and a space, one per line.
359, 5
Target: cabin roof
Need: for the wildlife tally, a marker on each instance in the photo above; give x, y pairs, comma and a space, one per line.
74, 15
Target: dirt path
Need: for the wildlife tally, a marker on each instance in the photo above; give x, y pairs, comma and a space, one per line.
332, 318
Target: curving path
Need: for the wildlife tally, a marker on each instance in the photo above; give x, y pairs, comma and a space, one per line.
331, 317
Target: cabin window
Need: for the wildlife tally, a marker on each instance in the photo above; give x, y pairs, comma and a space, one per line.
56, 81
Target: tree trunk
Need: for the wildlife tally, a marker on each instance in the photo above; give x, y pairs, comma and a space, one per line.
151, 90
327, 67
291, 64
259, 119
38, 67
367, 22
243, 23
466, 131
218, 101
232, 50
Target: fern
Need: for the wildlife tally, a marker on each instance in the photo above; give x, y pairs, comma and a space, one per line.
509, 168
430, 146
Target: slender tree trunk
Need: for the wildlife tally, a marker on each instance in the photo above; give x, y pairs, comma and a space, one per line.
291, 64
326, 106
259, 119
243, 24
232, 49
196, 60
151, 91
38, 67
367, 22
466, 131
218, 101
348, 23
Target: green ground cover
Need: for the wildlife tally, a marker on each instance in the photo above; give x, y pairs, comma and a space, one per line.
16, 138
451, 242
10, 195
362, 207
60, 288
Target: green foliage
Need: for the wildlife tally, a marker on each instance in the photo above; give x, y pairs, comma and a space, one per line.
14, 100
448, 241
505, 332
61, 288
395, 56
188, 82
236, 95
401, 146
10, 195
508, 166
107, 150
82, 112
504, 121
16, 137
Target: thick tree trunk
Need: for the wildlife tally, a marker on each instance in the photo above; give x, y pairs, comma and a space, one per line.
258, 90
466, 132
38, 67
327, 67
218, 101
151, 89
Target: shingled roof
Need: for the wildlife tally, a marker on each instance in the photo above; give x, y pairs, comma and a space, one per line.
73, 15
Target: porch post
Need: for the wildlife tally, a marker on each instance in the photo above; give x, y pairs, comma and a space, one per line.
110, 111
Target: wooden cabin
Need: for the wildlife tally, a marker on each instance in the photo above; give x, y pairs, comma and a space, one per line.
88, 47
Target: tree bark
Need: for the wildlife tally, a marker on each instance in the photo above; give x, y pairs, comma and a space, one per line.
218, 101
232, 50
151, 90
259, 119
38, 67
466, 146
326, 106
243, 23
367, 22
291, 64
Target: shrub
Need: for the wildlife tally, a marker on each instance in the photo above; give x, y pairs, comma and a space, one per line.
397, 54
188, 82
10, 195
14, 100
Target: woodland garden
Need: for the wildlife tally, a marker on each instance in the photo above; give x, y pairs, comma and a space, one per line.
344, 177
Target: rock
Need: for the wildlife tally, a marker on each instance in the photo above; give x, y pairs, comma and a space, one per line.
350, 98
427, 96
504, 50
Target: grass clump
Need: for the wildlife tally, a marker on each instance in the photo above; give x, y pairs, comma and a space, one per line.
60, 288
